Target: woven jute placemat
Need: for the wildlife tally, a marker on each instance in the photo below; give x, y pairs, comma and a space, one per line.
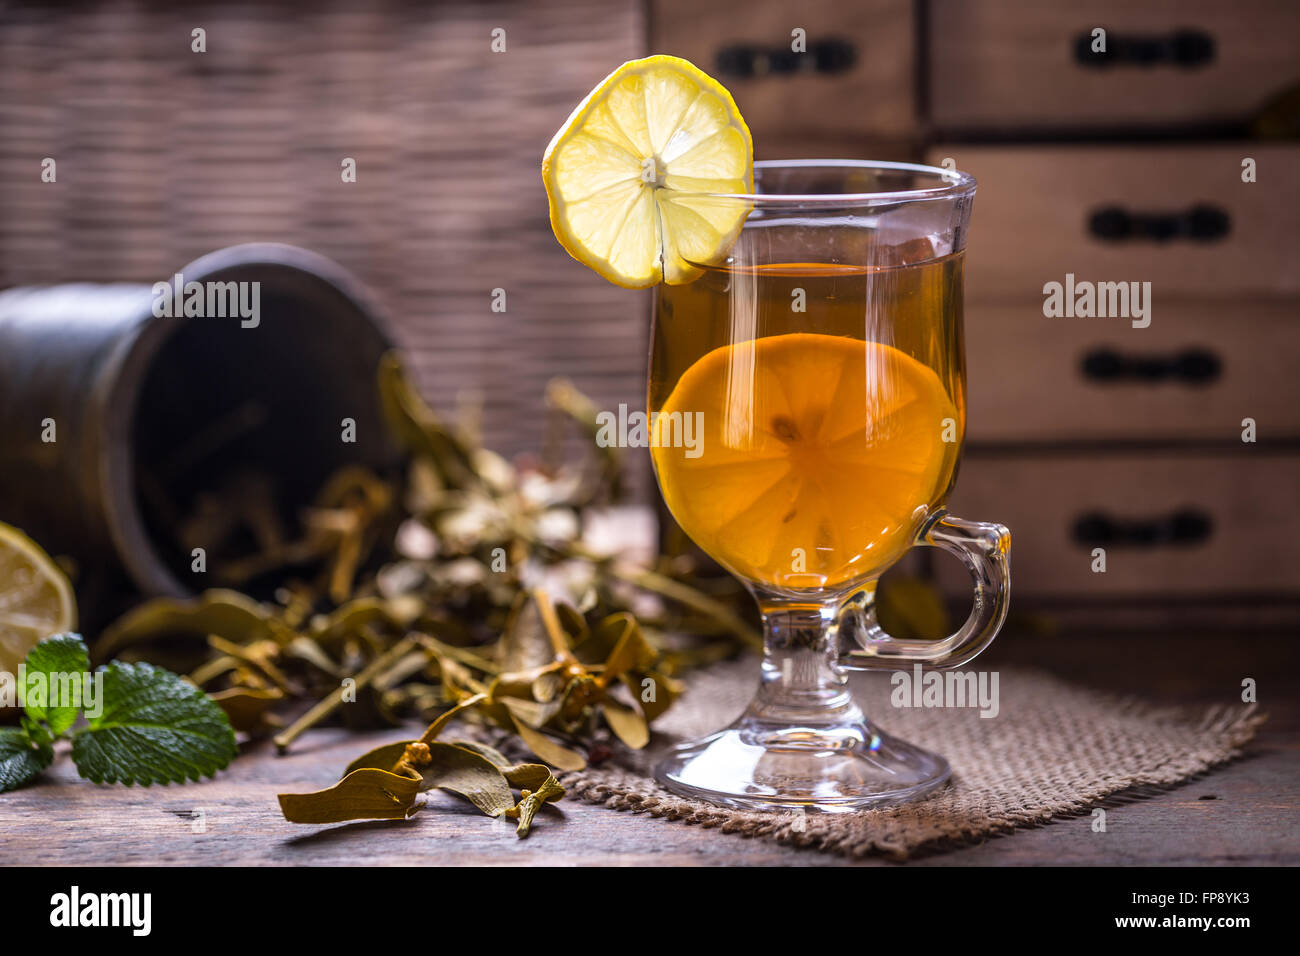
1054, 749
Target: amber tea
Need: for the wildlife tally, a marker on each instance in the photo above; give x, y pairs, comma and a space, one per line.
832, 421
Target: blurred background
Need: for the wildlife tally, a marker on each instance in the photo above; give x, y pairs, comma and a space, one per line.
1128, 163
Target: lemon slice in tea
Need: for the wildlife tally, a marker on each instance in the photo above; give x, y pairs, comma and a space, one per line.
624, 172
817, 457
36, 599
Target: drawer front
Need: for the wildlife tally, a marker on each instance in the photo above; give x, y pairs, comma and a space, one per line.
855, 81
1179, 218
1017, 64
1194, 373
1175, 526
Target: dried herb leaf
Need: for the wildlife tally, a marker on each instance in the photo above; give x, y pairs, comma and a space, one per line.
525, 644
365, 794
249, 709
354, 483
546, 685
525, 684
534, 713
259, 655
305, 649
435, 728
527, 776
498, 759
628, 725
457, 679
561, 645
553, 753
562, 396
469, 774
354, 616
381, 758
227, 614
519, 775
573, 622
417, 427
632, 652
654, 692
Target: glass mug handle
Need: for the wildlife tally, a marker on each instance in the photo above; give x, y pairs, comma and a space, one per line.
984, 547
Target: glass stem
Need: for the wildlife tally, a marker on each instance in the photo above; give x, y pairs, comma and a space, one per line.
802, 681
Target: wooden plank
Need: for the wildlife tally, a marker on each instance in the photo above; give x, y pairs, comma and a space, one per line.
67, 821
63, 821
1253, 818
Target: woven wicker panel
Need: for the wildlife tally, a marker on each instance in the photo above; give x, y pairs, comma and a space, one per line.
164, 154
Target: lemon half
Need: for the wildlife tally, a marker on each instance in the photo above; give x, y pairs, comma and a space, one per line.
36, 599
624, 174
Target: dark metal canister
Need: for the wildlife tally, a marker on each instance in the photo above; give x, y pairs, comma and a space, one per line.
129, 393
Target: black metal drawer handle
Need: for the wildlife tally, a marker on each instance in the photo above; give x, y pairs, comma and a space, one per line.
748, 60
1200, 223
1185, 527
1189, 367
1185, 49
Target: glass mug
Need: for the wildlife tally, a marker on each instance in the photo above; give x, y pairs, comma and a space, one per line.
819, 373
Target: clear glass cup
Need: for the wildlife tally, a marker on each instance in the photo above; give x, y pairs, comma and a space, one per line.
808, 407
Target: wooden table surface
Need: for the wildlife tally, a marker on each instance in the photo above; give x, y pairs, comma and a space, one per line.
1244, 813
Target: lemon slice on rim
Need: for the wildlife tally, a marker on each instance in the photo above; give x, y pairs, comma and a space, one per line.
624, 174
36, 599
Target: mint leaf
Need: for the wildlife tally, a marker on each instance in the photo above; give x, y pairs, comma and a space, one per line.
20, 758
62, 660
36, 732
155, 728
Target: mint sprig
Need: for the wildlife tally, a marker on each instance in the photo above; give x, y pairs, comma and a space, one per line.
152, 726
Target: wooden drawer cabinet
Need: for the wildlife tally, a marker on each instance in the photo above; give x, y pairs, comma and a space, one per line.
1194, 373
1017, 64
1178, 217
1173, 526
856, 81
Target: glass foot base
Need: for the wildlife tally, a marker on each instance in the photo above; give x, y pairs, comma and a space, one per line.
752, 765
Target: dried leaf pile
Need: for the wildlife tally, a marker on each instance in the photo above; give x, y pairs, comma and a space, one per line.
467, 586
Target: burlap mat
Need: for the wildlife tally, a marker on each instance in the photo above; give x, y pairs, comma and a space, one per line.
1054, 749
